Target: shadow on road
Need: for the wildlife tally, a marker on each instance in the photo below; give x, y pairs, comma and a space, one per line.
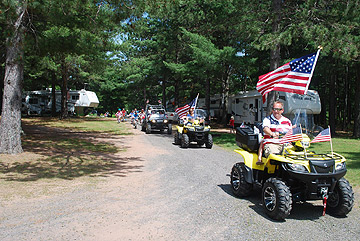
300, 211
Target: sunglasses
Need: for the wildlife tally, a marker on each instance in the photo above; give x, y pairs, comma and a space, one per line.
278, 109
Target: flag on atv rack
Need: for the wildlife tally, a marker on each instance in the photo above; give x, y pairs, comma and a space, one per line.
293, 77
322, 136
292, 135
181, 111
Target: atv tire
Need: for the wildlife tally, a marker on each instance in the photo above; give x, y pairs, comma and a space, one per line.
341, 201
177, 140
237, 180
185, 141
276, 199
169, 130
148, 128
209, 141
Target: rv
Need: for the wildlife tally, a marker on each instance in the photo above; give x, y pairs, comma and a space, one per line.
39, 102
247, 106
215, 105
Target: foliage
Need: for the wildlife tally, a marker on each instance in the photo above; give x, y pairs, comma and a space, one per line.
131, 51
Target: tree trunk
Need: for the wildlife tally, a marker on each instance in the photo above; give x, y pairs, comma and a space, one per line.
10, 124
332, 104
53, 96
346, 98
64, 91
207, 94
274, 52
225, 95
164, 91
356, 133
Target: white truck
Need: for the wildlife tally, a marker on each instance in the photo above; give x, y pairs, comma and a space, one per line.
39, 102
247, 106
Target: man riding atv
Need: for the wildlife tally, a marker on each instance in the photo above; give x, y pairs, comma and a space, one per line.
293, 175
194, 128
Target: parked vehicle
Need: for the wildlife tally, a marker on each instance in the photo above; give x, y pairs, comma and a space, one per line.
39, 102
172, 116
247, 106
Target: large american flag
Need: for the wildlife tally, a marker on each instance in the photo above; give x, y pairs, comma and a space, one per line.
322, 136
292, 135
293, 77
181, 111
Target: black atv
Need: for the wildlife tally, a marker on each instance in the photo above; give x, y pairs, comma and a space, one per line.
156, 119
295, 175
197, 131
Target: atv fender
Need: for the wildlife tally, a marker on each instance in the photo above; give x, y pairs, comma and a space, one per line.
180, 129
249, 178
250, 160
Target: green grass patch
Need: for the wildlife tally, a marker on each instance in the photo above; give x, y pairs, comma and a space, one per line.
87, 124
347, 147
350, 149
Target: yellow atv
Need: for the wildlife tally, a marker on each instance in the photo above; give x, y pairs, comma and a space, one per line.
197, 131
295, 175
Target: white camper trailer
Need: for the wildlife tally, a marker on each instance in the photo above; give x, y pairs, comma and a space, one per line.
39, 102
215, 105
247, 106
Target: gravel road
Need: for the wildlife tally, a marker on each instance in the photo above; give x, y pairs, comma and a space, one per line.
163, 192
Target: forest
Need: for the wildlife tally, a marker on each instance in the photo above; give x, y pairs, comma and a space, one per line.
131, 51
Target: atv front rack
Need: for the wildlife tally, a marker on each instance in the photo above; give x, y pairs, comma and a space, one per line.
313, 156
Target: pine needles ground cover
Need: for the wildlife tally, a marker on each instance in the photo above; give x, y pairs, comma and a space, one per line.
347, 147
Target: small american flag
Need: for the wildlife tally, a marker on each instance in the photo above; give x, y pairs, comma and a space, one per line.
181, 111
293, 77
292, 135
323, 136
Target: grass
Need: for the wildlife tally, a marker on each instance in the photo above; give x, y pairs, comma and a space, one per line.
57, 153
349, 148
87, 124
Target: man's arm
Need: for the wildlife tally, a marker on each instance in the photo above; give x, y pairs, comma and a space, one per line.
268, 132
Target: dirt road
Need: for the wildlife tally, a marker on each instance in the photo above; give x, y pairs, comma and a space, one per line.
159, 192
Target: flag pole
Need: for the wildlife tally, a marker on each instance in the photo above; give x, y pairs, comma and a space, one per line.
305, 152
312, 71
197, 97
332, 152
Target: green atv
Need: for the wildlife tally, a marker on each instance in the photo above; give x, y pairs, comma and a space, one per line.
295, 175
197, 131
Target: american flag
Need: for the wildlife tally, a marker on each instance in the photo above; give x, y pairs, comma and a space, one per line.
323, 136
292, 135
181, 111
293, 77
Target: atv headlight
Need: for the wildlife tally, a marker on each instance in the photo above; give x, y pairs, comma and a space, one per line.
340, 166
153, 121
165, 121
297, 167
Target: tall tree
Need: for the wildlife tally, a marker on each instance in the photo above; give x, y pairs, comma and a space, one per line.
10, 125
